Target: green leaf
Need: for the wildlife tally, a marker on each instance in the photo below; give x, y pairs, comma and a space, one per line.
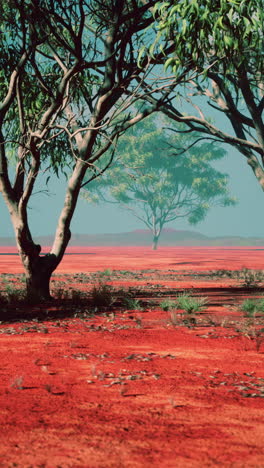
169, 62
140, 55
228, 41
184, 27
230, 15
219, 23
151, 49
173, 10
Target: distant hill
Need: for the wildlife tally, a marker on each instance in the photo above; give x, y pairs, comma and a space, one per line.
142, 237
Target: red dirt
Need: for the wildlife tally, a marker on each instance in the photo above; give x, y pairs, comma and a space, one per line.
88, 259
131, 389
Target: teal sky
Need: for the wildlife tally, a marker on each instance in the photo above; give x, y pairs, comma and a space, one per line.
245, 219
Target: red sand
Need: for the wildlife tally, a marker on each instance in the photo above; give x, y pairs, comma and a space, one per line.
132, 390
87, 259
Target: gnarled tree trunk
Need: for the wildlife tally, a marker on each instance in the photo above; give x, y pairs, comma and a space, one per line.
38, 268
38, 278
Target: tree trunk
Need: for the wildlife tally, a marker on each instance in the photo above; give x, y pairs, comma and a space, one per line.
155, 242
38, 278
38, 286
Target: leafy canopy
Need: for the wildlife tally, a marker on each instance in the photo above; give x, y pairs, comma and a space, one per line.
204, 32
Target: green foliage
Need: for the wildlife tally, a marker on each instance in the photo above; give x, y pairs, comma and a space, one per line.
106, 273
168, 305
131, 303
217, 46
190, 304
24, 28
56, 36
252, 306
203, 32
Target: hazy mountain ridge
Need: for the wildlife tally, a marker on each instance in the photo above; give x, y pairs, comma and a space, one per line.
141, 237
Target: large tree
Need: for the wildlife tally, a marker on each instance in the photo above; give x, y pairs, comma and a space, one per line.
70, 74
154, 178
222, 42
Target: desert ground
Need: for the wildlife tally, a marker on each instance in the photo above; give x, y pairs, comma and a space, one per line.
136, 381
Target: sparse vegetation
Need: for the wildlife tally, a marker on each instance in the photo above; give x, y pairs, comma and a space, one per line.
185, 302
251, 330
191, 304
247, 277
252, 306
251, 278
11, 295
188, 304
14, 295
131, 303
222, 273
106, 273
96, 296
102, 295
168, 304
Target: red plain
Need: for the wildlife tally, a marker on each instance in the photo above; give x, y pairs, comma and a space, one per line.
131, 389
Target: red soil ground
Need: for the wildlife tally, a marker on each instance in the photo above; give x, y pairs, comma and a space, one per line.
132, 389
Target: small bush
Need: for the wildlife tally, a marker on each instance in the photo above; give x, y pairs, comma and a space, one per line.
106, 273
190, 304
168, 304
131, 303
251, 278
102, 295
252, 306
249, 307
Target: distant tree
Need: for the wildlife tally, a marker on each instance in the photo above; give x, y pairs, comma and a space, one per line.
219, 43
70, 74
158, 181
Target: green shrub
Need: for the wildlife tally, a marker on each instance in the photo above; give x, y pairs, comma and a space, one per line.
190, 304
106, 273
131, 303
168, 304
252, 306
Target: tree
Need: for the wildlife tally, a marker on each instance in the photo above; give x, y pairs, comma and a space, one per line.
70, 74
158, 181
223, 42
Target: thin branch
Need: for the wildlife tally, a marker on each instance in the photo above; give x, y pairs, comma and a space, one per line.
184, 150
11, 93
100, 171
